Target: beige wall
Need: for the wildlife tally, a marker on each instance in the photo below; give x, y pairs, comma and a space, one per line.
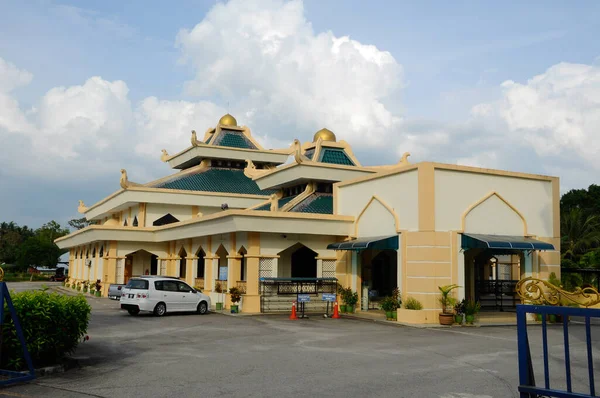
494, 216
456, 191
398, 191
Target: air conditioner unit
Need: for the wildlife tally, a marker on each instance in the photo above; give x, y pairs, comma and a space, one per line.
88, 263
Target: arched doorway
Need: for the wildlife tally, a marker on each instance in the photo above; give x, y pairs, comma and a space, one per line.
140, 262
243, 271
182, 263
297, 261
154, 265
304, 263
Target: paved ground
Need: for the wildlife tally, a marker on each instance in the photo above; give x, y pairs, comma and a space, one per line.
270, 356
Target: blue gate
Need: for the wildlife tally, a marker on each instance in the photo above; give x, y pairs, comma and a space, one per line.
527, 384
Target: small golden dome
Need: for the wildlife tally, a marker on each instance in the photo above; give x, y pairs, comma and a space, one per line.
228, 120
325, 135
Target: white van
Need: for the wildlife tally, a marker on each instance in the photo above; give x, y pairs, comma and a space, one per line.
159, 294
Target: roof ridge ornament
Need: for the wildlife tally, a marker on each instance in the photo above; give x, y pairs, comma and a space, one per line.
165, 155
125, 183
251, 171
404, 161
194, 138
82, 207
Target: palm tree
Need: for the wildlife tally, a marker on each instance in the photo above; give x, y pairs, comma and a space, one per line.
580, 232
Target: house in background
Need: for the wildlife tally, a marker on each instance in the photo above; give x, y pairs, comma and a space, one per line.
300, 219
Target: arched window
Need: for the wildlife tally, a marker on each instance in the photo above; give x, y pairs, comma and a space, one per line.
243, 253
94, 253
125, 223
101, 251
135, 221
87, 253
182, 263
200, 266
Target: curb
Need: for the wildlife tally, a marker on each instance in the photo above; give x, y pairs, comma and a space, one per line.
67, 363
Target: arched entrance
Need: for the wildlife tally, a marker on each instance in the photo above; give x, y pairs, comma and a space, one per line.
138, 263
223, 273
297, 261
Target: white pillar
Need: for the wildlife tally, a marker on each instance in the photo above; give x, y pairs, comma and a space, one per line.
354, 269
319, 268
275, 269
120, 270
461, 267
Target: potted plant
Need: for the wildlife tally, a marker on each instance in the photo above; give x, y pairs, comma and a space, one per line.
388, 305
472, 308
413, 304
343, 292
235, 295
79, 286
98, 288
351, 300
446, 317
397, 297
459, 311
219, 289
74, 285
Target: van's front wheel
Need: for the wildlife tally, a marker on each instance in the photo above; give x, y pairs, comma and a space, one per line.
202, 308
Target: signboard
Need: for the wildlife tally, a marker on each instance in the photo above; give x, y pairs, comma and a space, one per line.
223, 273
328, 297
303, 298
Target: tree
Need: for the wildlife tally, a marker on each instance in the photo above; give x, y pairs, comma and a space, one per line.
580, 233
11, 237
79, 223
37, 251
51, 231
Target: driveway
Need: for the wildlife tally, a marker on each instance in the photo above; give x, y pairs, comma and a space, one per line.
271, 356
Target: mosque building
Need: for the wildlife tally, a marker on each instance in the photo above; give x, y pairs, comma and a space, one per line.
278, 222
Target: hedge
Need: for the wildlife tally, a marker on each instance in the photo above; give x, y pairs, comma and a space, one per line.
53, 326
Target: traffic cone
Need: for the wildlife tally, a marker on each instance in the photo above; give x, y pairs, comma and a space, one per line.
336, 314
293, 315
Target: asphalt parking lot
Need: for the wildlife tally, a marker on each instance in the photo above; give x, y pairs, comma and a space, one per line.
270, 356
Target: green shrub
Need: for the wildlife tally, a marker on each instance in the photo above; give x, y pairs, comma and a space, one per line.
53, 325
413, 304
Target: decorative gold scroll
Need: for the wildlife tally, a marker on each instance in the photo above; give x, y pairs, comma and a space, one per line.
1, 274
538, 291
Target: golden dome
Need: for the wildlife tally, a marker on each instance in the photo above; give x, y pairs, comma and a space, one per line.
325, 135
228, 120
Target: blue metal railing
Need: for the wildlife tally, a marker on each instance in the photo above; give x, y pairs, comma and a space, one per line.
527, 386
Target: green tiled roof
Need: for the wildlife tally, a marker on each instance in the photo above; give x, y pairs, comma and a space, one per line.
209, 139
315, 203
233, 139
216, 180
335, 156
309, 153
282, 202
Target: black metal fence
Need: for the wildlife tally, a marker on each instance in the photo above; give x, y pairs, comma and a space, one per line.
276, 294
497, 295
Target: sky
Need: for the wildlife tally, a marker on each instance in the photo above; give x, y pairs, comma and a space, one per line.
90, 87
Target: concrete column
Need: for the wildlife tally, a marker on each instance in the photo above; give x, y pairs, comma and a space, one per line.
319, 268
354, 270
275, 272
252, 297
189, 270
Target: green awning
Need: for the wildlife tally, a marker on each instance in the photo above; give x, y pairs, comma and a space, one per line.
376, 242
479, 241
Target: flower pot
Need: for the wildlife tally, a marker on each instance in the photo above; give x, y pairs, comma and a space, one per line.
470, 319
85, 289
552, 318
98, 293
343, 308
219, 306
395, 315
234, 308
458, 319
349, 309
446, 319
388, 315
538, 317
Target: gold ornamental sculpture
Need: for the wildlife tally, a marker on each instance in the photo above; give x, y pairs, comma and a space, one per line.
541, 292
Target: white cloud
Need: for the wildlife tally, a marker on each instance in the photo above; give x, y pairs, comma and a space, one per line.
265, 57
12, 77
